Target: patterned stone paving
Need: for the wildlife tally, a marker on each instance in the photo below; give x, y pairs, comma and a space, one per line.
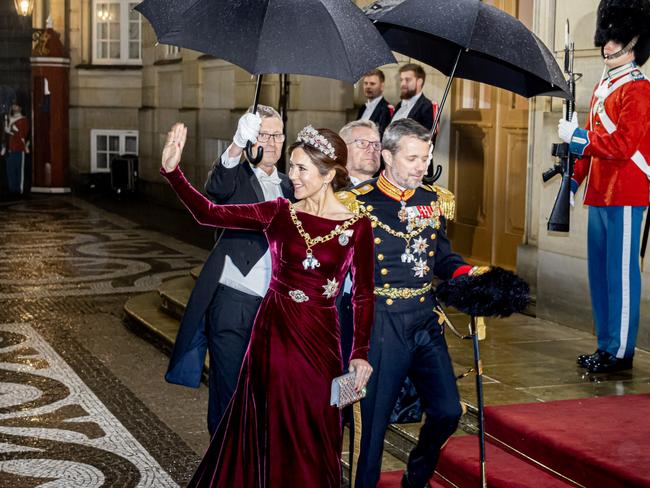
65, 419
64, 247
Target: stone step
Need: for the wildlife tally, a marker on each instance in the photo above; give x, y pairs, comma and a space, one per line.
174, 295
145, 317
194, 272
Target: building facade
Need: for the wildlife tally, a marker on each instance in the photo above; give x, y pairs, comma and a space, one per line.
126, 92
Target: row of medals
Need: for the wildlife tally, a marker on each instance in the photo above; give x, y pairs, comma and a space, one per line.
411, 224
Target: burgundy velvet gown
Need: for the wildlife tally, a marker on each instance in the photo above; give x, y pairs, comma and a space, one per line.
279, 429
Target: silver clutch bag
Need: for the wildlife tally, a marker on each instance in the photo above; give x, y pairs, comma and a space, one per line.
343, 392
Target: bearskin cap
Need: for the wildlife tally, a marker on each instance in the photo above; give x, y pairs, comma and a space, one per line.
621, 21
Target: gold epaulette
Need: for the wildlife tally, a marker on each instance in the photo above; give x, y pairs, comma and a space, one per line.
362, 190
349, 199
446, 200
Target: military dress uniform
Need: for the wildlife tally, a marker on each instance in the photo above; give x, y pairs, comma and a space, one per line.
615, 153
411, 247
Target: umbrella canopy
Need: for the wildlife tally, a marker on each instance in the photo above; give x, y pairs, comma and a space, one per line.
329, 38
496, 48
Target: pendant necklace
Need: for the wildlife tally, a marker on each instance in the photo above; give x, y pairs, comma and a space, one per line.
310, 261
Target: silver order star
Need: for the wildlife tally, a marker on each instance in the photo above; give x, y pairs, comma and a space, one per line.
421, 268
331, 288
419, 245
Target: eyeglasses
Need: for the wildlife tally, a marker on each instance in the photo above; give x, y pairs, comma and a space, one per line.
363, 144
265, 136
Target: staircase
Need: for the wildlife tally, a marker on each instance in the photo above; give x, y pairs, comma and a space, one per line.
518, 456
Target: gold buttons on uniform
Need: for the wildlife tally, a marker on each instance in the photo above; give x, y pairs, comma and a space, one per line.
380, 257
384, 271
369, 208
386, 285
389, 301
433, 236
377, 239
422, 299
431, 253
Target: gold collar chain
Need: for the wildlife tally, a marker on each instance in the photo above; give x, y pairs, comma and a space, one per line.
312, 241
407, 236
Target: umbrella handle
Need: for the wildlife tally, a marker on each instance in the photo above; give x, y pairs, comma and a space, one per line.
430, 180
248, 151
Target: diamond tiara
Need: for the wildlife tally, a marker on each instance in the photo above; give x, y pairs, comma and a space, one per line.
315, 139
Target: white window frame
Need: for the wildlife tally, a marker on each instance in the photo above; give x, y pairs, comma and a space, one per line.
125, 7
123, 134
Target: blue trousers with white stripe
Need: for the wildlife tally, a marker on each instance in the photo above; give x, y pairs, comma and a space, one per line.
615, 276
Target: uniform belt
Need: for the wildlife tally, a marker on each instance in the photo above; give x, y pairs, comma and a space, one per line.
403, 293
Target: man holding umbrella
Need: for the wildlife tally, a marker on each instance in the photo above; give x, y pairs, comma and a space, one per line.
615, 152
235, 276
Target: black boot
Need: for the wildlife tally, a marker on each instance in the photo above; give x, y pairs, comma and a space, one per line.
609, 364
585, 359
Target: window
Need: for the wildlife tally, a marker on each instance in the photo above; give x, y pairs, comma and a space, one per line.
117, 32
106, 144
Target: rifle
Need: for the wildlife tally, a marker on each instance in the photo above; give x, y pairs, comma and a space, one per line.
560, 216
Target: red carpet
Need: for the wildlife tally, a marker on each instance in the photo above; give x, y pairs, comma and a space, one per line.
392, 479
598, 442
459, 464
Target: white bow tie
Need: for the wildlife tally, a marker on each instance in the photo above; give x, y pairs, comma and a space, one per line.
269, 179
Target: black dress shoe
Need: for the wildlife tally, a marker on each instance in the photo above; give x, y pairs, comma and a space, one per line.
407, 484
609, 364
585, 359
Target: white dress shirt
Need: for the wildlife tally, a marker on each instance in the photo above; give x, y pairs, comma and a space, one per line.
256, 282
371, 105
406, 107
347, 284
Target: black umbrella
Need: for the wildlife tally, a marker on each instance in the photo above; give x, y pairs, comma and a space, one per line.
328, 38
472, 40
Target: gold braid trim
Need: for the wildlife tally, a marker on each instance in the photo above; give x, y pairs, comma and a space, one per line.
349, 199
402, 292
446, 200
355, 447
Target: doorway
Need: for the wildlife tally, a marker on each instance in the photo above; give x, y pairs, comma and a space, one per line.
487, 164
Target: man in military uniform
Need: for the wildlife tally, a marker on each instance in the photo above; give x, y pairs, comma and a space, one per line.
411, 247
615, 155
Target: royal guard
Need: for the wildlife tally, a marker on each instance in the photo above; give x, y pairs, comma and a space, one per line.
17, 130
614, 152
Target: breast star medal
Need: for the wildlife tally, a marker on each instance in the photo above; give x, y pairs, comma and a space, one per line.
331, 288
421, 268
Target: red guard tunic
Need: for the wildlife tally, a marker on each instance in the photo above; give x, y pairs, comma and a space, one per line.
612, 160
18, 129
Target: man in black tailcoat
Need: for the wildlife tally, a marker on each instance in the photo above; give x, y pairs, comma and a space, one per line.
223, 304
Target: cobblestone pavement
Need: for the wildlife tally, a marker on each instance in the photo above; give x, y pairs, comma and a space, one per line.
83, 402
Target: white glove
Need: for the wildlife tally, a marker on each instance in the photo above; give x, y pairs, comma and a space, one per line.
430, 158
566, 128
248, 128
572, 199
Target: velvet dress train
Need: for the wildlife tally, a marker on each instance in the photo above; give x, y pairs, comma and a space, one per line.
279, 429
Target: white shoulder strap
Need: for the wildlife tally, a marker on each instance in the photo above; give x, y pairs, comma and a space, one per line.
610, 126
